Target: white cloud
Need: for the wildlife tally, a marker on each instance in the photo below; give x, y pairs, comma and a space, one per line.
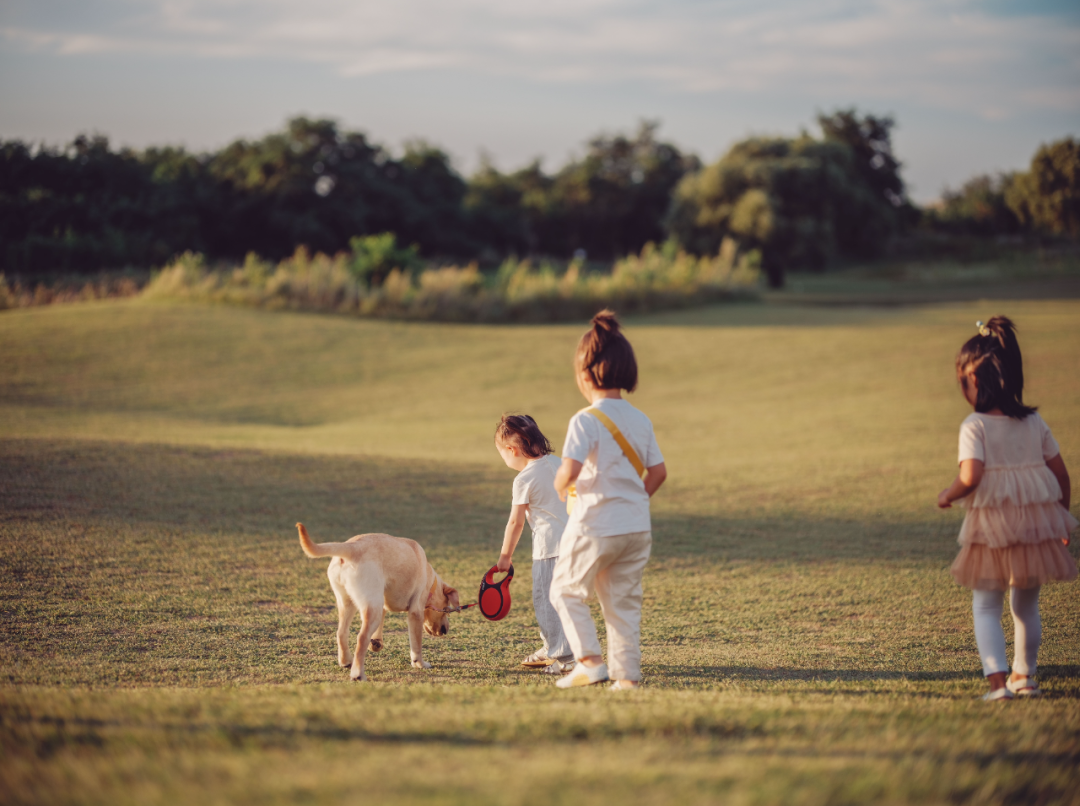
948, 54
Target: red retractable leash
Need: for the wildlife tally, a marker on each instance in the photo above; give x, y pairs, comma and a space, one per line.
494, 597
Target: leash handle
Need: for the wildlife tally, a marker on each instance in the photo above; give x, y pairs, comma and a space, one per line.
494, 596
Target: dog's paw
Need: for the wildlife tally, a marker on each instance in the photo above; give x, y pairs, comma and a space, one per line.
421, 664
376, 644
358, 678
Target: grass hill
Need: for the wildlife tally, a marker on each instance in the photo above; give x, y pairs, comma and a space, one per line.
165, 640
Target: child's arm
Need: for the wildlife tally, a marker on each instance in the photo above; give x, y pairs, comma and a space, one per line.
971, 473
566, 475
1057, 467
512, 535
654, 477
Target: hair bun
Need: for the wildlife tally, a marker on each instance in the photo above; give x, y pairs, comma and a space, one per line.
605, 320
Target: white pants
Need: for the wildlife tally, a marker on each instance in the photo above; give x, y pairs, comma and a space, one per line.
990, 638
611, 566
551, 631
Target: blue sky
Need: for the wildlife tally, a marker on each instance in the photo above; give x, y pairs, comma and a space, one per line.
975, 85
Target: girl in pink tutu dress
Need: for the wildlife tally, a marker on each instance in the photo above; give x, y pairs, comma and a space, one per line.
1015, 487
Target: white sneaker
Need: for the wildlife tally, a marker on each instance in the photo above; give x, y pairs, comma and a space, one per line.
1024, 687
1002, 693
583, 675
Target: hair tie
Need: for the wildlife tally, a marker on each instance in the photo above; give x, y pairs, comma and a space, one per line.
983, 329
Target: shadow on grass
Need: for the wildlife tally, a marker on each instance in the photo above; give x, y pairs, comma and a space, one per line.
713, 674
246, 497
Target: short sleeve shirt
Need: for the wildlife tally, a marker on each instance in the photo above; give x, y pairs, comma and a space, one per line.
611, 495
1000, 441
535, 486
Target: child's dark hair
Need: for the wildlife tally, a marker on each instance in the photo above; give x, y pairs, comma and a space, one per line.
606, 356
995, 361
522, 431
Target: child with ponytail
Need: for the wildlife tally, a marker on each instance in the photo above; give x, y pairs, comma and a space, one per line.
1015, 486
609, 447
524, 448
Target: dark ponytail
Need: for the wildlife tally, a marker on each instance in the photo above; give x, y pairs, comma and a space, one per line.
993, 357
522, 431
605, 355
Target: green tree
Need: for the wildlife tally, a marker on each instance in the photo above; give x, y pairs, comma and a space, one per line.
800, 201
1047, 197
977, 208
611, 202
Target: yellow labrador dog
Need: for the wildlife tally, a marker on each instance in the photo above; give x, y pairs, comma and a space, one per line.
374, 573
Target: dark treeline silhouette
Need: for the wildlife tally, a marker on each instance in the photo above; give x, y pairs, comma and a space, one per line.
87, 207
799, 202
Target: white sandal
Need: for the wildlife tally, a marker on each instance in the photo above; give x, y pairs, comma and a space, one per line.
537, 660
1024, 687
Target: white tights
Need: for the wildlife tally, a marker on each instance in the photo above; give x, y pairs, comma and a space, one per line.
990, 638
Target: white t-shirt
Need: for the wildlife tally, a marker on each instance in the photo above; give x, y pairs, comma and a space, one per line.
535, 486
611, 495
1001, 441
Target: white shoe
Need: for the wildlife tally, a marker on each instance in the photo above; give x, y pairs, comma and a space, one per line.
583, 675
1024, 687
619, 685
1002, 693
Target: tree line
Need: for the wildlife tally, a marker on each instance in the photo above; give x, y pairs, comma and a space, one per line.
1045, 198
801, 202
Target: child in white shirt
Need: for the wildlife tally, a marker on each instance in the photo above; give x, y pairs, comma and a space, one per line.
608, 537
525, 449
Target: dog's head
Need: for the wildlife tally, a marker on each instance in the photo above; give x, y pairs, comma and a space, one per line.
442, 597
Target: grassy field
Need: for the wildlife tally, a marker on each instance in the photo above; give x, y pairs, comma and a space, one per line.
165, 640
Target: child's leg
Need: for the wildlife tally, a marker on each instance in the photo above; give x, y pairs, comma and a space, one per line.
551, 630
575, 574
618, 587
1025, 611
989, 637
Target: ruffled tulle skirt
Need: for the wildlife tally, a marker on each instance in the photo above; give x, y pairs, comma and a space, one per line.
1015, 531
1024, 565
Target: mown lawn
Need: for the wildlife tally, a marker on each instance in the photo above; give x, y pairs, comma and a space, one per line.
166, 641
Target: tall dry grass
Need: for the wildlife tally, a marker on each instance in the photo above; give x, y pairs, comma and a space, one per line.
20, 294
658, 278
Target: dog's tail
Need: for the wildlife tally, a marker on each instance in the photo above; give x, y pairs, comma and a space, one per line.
323, 549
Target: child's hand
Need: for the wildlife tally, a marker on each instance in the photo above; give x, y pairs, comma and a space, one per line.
503, 564
943, 500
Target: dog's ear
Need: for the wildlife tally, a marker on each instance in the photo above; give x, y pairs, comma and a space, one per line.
451, 595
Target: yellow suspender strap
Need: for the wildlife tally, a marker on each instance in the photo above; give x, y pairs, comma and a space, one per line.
627, 448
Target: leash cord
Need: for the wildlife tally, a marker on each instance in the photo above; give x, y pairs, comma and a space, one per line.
456, 609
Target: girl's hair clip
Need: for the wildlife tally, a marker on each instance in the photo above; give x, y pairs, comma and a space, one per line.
983, 329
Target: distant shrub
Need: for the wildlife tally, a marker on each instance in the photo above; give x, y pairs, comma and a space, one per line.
659, 277
375, 256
